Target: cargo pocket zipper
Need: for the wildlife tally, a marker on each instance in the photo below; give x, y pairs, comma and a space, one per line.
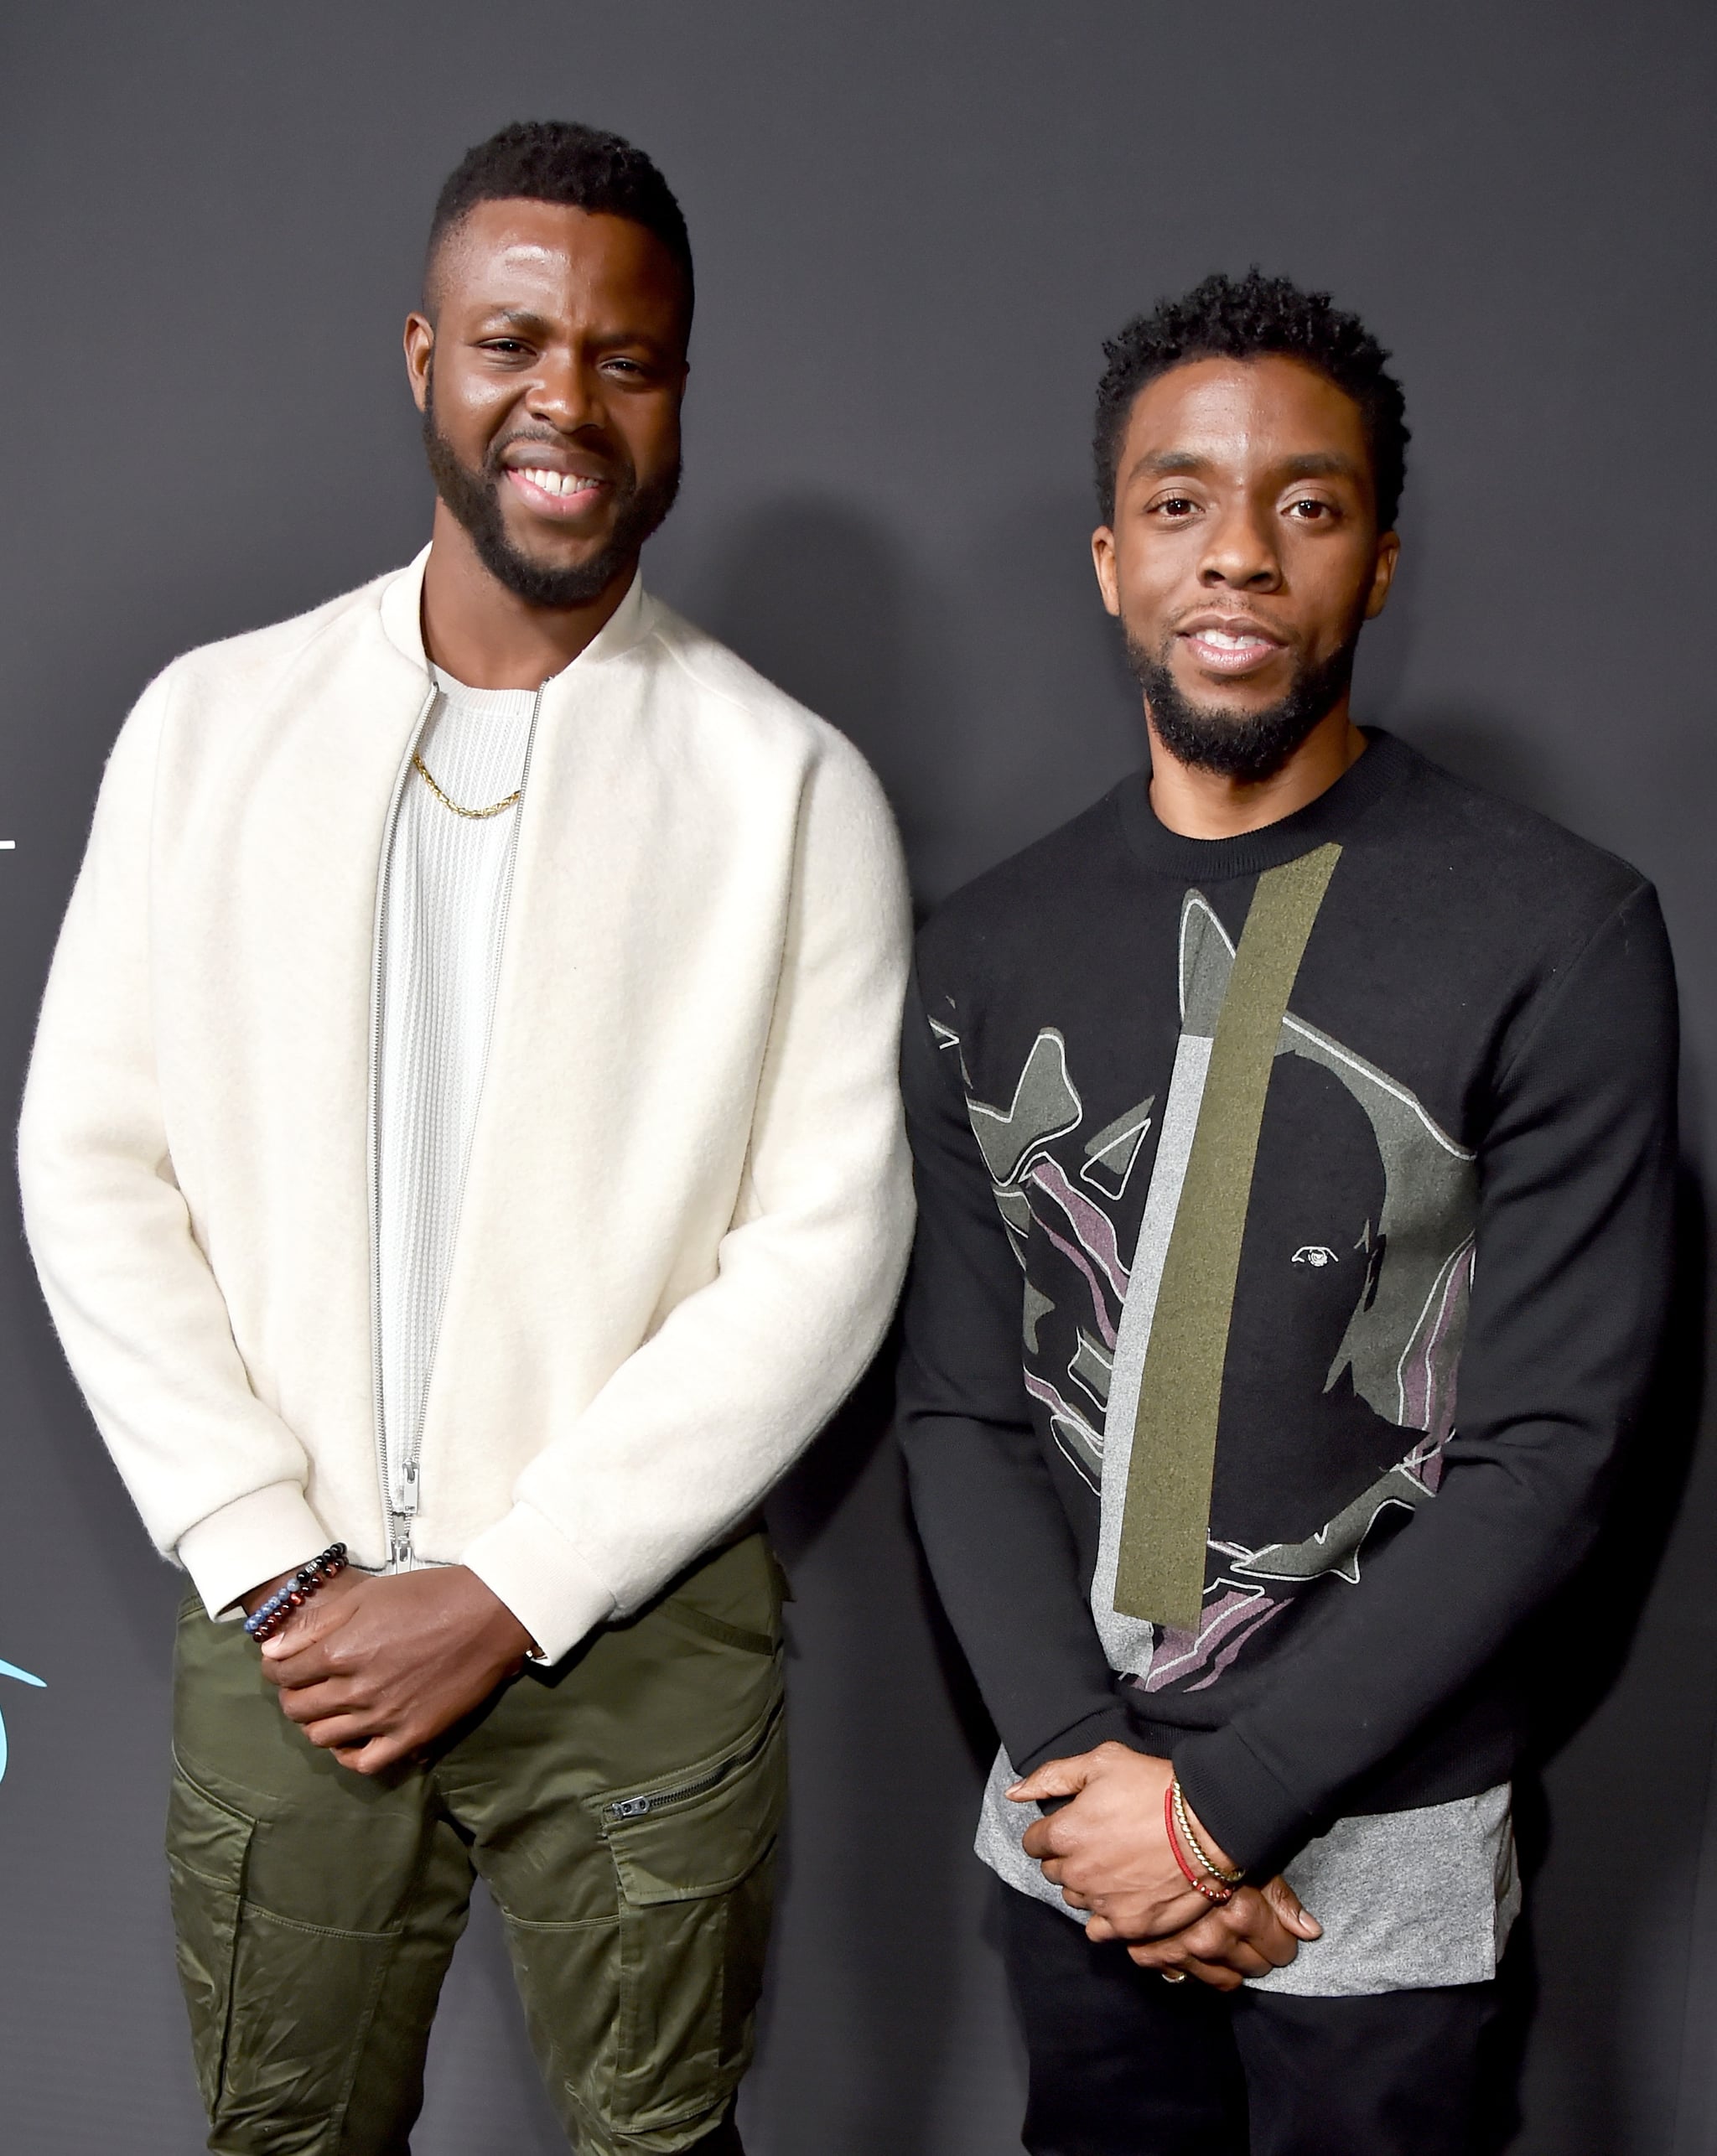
635, 1807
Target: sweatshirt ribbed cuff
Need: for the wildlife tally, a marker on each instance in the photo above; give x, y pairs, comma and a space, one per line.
255, 1538
1248, 1813
1108, 1724
529, 1565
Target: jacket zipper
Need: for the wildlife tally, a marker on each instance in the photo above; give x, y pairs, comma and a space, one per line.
399, 1532
401, 1505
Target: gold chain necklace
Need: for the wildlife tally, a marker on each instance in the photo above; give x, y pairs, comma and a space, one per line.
447, 801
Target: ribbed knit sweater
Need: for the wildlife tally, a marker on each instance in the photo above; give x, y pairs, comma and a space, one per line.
444, 923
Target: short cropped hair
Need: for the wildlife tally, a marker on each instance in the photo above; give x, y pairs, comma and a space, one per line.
1243, 319
559, 161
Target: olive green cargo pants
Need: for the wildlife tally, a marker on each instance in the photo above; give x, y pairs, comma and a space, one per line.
622, 1808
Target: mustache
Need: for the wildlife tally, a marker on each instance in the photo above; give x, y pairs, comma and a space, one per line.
616, 469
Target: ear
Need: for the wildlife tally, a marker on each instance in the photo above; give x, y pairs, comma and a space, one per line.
419, 343
1382, 574
1102, 560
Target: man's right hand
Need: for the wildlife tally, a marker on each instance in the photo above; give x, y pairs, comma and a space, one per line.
1262, 1928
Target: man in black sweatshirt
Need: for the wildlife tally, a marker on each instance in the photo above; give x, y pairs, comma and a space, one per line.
1295, 1145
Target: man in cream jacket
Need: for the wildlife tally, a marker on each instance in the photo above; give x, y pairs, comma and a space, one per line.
463, 1128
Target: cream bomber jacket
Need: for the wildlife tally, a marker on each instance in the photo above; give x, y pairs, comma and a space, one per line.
688, 1205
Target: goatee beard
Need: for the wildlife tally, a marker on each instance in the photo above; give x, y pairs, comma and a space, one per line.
1250, 747
473, 500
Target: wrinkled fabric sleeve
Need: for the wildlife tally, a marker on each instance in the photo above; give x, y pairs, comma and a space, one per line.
217, 1478
1571, 1283
999, 1545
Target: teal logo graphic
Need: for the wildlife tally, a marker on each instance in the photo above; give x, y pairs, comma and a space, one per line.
24, 1676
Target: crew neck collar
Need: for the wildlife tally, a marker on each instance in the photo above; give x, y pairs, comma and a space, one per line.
498, 702
401, 602
1382, 767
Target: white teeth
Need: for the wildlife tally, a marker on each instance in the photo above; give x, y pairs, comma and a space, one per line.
556, 483
1224, 641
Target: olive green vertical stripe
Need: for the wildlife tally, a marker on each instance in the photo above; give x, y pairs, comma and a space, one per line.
1160, 1572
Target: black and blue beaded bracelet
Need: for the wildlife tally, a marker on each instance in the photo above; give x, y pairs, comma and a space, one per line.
266, 1621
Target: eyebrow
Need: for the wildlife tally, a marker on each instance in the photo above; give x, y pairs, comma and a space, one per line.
1160, 464
1320, 465
1310, 464
517, 317
533, 324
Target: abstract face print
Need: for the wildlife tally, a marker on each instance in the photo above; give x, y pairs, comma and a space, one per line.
1348, 1312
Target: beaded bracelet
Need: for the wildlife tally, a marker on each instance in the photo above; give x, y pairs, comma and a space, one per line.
304, 1582
1198, 1848
1212, 1890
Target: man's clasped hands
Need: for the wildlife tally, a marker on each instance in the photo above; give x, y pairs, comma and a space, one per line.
1108, 1850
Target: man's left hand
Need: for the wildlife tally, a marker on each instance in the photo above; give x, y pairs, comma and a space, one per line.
1259, 1930
377, 1673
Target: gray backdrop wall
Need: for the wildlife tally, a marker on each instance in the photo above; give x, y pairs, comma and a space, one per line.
913, 225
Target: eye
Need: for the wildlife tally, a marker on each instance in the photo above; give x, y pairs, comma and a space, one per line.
1177, 505
1308, 510
505, 348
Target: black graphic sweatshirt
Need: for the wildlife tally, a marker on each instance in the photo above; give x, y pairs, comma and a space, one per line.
1451, 1278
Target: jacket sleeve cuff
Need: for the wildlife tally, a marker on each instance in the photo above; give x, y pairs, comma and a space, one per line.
256, 1537
1250, 1814
1109, 1724
527, 1564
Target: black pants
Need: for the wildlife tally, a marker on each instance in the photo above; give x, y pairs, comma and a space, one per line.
1125, 2065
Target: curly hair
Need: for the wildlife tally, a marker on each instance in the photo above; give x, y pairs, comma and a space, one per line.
559, 161
1242, 318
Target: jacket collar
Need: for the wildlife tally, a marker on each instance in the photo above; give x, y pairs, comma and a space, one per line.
402, 618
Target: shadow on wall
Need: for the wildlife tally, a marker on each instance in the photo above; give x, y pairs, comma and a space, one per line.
1061, 718
815, 596
987, 689
890, 1744
1573, 1656
881, 1895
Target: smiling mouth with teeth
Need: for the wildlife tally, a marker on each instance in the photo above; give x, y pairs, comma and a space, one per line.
561, 484
1225, 640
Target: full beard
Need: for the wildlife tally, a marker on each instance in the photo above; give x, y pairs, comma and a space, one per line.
474, 499
1248, 747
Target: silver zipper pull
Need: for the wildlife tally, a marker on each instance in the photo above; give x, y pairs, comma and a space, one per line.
408, 1488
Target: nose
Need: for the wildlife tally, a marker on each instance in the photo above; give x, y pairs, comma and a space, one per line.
1240, 550
562, 393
